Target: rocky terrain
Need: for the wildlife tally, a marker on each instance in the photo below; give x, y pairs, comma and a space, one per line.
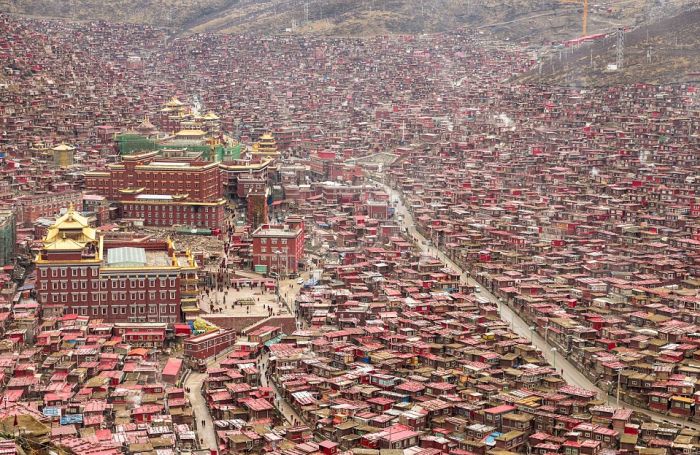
667, 51
534, 21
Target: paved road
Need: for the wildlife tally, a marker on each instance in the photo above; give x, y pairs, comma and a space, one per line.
570, 372
280, 403
201, 411
288, 291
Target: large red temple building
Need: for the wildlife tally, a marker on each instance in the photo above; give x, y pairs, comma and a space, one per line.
121, 279
279, 248
163, 192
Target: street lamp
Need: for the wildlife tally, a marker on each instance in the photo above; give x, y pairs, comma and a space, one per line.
619, 373
554, 358
277, 277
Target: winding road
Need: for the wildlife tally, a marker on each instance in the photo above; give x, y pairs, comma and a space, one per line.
570, 372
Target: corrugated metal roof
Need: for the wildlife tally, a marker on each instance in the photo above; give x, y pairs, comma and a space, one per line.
126, 256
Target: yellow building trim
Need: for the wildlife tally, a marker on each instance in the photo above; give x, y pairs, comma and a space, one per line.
245, 167
165, 202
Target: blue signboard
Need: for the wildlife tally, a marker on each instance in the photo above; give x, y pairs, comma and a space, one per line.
71, 419
50, 411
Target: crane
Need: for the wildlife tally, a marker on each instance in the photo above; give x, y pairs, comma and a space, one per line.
585, 13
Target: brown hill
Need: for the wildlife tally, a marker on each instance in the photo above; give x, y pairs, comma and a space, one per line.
536, 21
667, 51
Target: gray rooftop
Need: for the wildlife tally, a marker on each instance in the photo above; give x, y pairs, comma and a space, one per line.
126, 257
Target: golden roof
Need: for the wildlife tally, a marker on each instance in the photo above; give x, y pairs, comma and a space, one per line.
211, 116
266, 145
174, 102
146, 124
70, 226
191, 133
63, 148
64, 244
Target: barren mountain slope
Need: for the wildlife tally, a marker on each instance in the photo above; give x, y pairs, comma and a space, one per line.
532, 20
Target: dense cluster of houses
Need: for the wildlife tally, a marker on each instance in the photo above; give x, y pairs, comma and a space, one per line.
93, 387
592, 239
577, 208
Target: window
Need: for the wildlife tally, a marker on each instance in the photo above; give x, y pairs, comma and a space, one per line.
43, 272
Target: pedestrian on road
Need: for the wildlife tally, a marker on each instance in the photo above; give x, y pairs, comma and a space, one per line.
204, 423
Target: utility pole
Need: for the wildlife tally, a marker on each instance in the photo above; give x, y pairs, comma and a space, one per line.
620, 48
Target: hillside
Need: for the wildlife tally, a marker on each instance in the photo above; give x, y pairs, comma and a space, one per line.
537, 21
667, 51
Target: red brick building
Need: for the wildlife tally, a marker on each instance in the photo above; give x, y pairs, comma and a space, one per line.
118, 280
241, 177
31, 207
163, 192
279, 248
207, 345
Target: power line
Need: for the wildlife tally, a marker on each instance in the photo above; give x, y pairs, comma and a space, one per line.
620, 47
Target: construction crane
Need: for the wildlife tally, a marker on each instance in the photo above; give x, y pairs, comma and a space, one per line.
585, 13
